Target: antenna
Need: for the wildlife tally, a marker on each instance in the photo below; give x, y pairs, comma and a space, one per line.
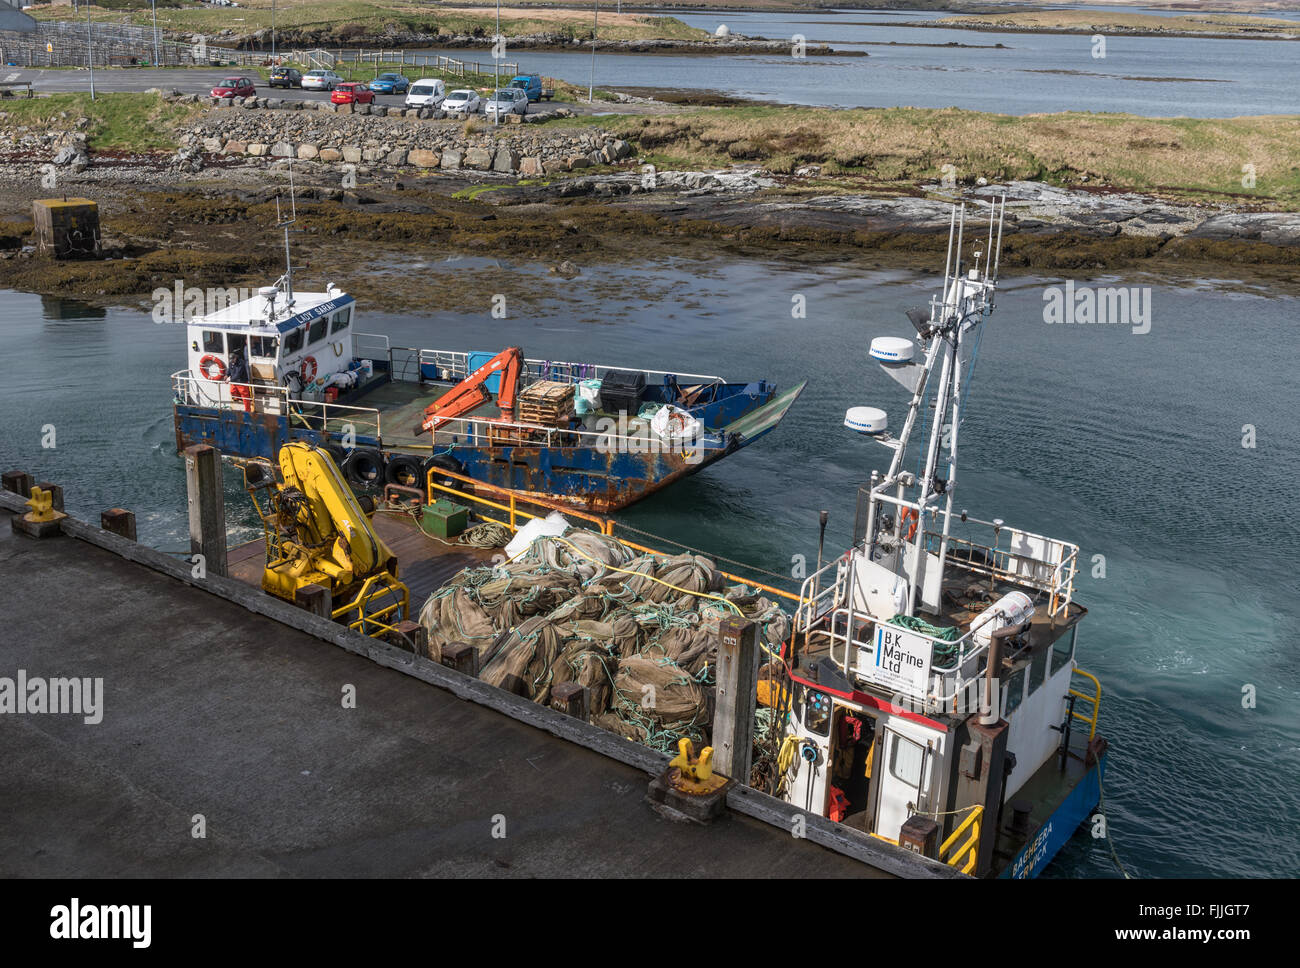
284, 223
1002, 214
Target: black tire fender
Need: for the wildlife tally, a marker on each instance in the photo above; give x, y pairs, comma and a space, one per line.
364, 467
444, 462
405, 466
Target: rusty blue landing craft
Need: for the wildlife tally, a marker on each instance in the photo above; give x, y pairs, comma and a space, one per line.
288, 365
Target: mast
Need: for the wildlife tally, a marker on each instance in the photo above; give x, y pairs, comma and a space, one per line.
967, 297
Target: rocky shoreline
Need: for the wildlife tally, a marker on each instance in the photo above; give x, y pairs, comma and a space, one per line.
329, 39
553, 191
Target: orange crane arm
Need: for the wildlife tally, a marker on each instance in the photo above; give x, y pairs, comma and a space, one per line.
472, 391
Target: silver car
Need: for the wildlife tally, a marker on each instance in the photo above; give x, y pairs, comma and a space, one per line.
320, 80
506, 100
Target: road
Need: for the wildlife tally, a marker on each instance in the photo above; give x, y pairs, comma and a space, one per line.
201, 81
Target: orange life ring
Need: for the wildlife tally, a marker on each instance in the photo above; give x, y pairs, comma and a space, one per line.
308, 369
909, 515
207, 362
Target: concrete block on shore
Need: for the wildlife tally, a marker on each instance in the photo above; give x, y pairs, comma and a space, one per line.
421, 158
256, 149
361, 108
307, 152
451, 159
373, 156
330, 154
531, 167
578, 161
505, 161
234, 148
352, 154
282, 149
556, 165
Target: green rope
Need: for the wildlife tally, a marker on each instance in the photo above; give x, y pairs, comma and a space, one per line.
944, 633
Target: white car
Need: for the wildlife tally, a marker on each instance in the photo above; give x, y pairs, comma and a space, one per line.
427, 92
506, 100
320, 80
462, 99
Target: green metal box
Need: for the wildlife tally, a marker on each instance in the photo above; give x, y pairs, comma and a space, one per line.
445, 519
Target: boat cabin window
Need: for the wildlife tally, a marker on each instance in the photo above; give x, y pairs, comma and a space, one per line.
213, 341
293, 341
1037, 670
1015, 690
905, 760
341, 319
263, 346
816, 711
1063, 650
319, 327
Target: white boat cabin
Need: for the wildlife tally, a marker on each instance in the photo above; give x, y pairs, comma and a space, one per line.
299, 342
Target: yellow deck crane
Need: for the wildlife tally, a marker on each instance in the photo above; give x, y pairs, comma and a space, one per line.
318, 533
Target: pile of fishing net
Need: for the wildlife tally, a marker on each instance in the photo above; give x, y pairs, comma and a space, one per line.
639, 631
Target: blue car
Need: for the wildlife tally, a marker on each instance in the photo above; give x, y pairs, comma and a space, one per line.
390, 84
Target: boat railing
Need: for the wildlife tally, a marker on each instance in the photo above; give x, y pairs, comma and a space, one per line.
319, 415
481, 431
454, 365
1016, 556
828, 610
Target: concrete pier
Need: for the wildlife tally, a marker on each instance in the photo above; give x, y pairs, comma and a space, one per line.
232, 713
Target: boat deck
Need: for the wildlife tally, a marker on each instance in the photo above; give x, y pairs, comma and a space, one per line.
424, 563
958, 608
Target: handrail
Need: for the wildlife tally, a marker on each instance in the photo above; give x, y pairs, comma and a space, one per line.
970, 849
365, 597
512, 498
185, 386
1095, 699
458, 365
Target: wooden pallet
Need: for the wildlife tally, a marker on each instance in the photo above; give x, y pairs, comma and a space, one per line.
547, 403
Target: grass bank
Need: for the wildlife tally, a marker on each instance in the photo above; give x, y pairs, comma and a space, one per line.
1095, 21
899, 147
353, 22
113, 122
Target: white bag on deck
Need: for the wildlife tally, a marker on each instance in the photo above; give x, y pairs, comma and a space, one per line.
552, 526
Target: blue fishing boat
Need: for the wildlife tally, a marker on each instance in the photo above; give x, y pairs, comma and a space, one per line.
283, 365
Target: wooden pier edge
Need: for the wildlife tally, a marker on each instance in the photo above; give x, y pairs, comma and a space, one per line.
745, 800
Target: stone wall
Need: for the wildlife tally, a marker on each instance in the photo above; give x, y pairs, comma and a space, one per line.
396, 138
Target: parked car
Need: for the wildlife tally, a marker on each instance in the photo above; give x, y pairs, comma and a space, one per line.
504, 101
234, 87
320, 81
531, 84
427, 92
462, 99
352, 92
390, 84
285, 77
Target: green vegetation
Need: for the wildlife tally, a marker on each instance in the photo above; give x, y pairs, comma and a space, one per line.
1092, 21
336, 23
120, 122
897, 147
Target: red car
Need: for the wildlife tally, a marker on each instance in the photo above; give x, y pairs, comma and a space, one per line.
234, 87
352, 93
